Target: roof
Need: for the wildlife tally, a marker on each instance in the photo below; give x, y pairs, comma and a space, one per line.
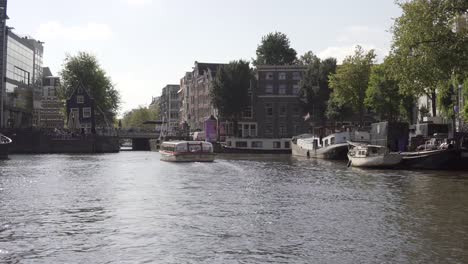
202, 67
47, 72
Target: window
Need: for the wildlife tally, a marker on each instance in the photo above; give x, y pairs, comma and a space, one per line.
283, 131
276, 144
241, 144
282, 89
257, 144
269, 88
253, 130
79, 99
269, 76
296, 75
296, 89
287, 145
282, 76
283, 110
247, 113
86, 112
269, 110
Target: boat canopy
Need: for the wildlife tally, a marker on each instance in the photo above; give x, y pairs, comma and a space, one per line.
187, 146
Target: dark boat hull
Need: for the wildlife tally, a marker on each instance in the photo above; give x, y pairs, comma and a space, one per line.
446, 159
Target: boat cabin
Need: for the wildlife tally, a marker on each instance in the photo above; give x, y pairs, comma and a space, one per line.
187, 147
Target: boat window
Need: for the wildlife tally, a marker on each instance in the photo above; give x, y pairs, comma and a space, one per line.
194, 148
257, 144
181, 148
332, 140
276, 144
241, 144
287, 145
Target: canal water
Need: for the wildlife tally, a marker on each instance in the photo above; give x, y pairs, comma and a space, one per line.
132, 208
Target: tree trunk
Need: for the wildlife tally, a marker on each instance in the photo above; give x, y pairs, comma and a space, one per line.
433, 103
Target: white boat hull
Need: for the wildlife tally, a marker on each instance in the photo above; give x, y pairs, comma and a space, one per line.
380, 161
334, 152
192, 157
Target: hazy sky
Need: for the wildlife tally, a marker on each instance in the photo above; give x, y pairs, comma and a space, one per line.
145, 44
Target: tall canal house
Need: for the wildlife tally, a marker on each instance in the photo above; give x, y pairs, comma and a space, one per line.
169, 109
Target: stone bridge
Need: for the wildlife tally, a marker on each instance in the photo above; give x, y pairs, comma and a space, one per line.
140, 138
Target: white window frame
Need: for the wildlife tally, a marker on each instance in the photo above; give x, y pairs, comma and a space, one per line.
269, 88
86, 108
282, 89
282, 76
78, 101
269, 76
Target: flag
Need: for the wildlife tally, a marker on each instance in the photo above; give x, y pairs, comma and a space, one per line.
306, 117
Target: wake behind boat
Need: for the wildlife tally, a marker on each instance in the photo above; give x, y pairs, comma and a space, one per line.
4, 146
187, 151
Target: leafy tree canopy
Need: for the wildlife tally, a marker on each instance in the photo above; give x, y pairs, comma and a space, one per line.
314, 85
275, 50
429, 46
136, 117
350, 81
230, 88
84, 68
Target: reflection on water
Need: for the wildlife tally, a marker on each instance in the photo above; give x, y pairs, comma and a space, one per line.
131, 208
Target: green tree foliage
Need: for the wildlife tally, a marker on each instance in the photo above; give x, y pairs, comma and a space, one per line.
230, 88
314, 85
427, 47
136, 117
350, 81
275, 50
84, 68
382, 94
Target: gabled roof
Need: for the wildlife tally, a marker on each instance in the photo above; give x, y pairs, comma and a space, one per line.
80, 84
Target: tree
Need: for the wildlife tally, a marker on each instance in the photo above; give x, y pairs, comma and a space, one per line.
314, 85
230, 89
275, 50
427, 46
84, 68
136, 117
382, 94
350, 81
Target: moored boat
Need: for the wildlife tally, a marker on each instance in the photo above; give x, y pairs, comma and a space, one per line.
372, 156
257, 145
435, 154
4, 146
187, 151
334, 146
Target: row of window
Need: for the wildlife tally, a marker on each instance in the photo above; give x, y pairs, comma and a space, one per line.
259, 144
282, 89
86, 112
282, 76
283, 110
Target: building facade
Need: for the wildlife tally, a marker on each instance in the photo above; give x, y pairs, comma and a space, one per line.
48, 107
80, 111
276, 110
197, 96
169, 109
22, 82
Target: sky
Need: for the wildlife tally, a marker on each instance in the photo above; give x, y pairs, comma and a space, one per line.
145, 44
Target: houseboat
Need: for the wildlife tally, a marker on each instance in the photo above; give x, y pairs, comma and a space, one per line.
435, 154
334, 146
257, 145
187, 151
4, 146
372, 156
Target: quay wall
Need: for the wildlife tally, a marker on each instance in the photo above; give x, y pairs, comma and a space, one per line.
32, 141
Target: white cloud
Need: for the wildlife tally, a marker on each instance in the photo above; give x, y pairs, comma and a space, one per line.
139, 2
340, 52
91, 31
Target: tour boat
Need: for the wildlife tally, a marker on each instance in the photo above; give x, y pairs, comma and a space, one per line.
4, 146
187, 151
257, 145
372, 156
334, 146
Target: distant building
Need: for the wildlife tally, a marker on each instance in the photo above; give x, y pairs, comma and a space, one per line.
48, 107
169, 109
276, 110
154, 105
197, 101
80, 111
